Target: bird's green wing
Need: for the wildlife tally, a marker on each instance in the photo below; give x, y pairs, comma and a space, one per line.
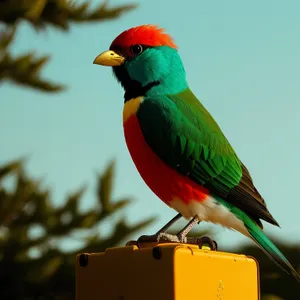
186, 137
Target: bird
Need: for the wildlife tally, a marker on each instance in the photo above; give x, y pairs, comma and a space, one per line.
177, 146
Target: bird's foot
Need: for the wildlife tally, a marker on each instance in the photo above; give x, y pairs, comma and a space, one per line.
162, 237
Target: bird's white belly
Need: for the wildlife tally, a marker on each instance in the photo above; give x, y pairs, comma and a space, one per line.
210, 210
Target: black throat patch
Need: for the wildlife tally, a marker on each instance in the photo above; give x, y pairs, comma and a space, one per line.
135, 89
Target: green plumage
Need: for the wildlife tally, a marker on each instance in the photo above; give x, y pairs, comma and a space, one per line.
186, 137
262, 240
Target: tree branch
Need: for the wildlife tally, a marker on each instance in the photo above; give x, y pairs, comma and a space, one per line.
59, 13
25, 70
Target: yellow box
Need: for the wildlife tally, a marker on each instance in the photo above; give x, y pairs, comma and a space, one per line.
167, 271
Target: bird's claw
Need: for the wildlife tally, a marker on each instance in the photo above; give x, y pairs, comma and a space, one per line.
161, 237
164, 237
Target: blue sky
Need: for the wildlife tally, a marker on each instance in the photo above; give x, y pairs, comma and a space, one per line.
243, 62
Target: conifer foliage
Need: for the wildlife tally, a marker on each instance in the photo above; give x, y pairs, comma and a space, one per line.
25, 69
34, 264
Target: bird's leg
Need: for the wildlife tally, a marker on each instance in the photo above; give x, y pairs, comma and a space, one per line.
202, 241
180, 237
169, 224
185, 231
161, 233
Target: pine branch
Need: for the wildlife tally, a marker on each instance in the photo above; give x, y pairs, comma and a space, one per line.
59, 13
25, 70
6, 37
8, 168
26, 206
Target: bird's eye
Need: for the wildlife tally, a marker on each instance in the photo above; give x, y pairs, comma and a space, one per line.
136, 49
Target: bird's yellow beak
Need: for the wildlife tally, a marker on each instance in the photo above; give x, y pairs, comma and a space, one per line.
109, 58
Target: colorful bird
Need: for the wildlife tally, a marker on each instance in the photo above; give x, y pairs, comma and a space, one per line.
176, 145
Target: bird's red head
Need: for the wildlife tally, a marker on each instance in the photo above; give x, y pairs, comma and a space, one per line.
145, 58
146, 35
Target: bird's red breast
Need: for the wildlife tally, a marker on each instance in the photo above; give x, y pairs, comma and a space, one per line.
163, 180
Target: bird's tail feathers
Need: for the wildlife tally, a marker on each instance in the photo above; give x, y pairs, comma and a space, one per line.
270, 249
